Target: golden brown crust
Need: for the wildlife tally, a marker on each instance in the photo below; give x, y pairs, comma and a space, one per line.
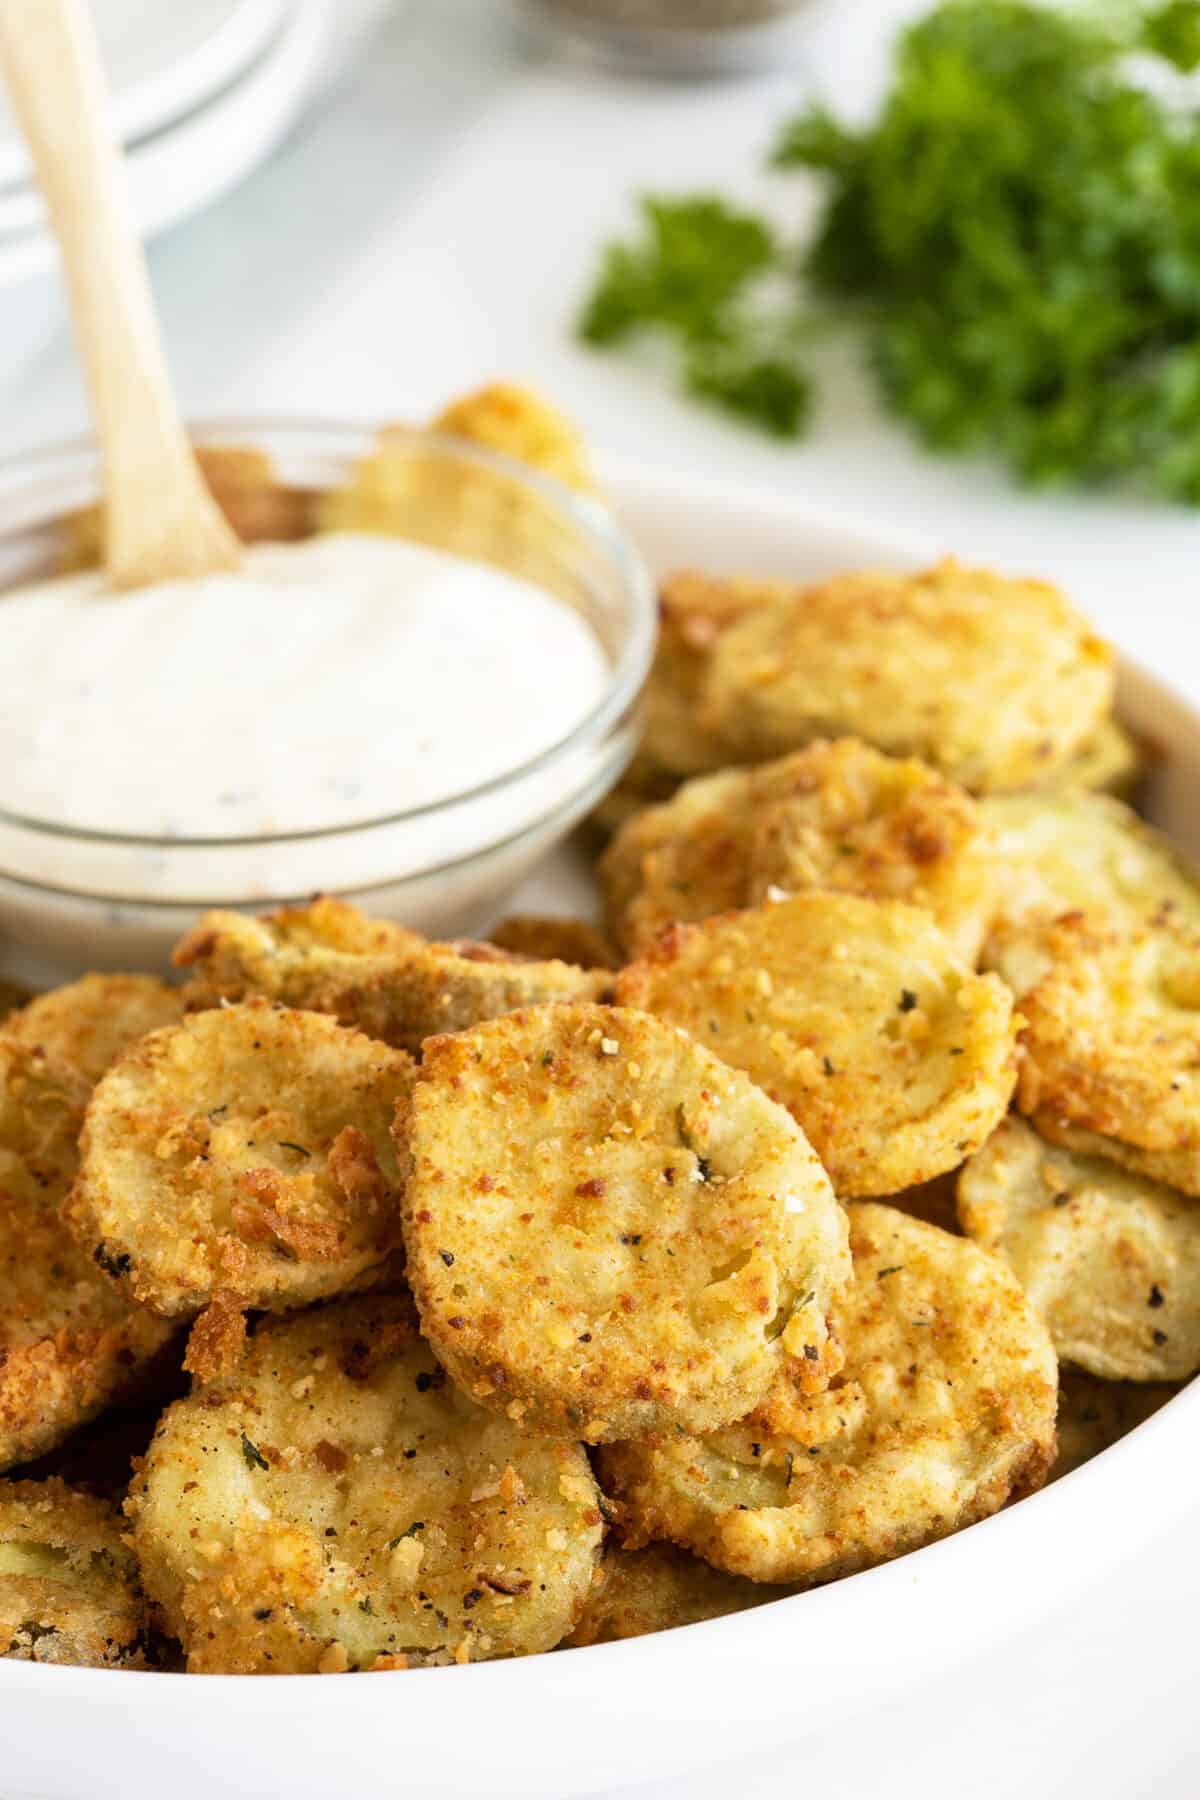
995, 682
1109, 761
1095, 1414
944, 1411
657, 1588
1111, 1040
89, 1022
70, 1343
542, 938
368, 973
609, 1232
1110, 1261
1068, 852
694, 613
521, 423
857, 1016
838, 816
68, 1585
245, 1151
339, 1504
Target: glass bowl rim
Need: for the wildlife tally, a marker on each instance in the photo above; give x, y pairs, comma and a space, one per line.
590, 516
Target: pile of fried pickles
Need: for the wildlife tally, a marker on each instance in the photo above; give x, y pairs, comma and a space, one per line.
374, 1303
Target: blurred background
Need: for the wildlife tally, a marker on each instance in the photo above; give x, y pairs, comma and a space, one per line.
357, 208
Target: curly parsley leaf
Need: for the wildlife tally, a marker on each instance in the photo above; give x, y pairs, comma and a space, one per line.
1017, 235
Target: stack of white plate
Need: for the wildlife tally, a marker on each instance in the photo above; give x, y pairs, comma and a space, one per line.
201, 91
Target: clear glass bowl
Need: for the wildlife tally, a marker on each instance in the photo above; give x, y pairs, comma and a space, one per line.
73, 900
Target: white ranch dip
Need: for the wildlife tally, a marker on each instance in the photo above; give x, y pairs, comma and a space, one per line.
327, 683
323, 687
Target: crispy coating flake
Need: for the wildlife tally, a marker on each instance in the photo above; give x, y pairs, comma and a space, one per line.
368, 973
69, 1342
339, 1504
245, 1151
1094, 1414
1110, 1051
89, 1022
543, 938
837, 816
857, 1016
1110, 1260
68, 1585
996, 682
944, 1411
610, 1232
1067, 852
657, 1588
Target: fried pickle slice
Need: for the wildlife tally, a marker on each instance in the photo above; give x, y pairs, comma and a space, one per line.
70, 1343
995, 682
1110, 1260
1110, 761
1073, 851
68, 1585
1110, 1050
944, 1411
368, 973
611, 1233
245, 1151
89, 1022
1093, 1415
339, 1504
543, 938
656, 1588
857, 1016
838, 816
517, 421
694, 613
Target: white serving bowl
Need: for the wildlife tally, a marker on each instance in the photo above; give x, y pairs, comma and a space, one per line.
572, 1723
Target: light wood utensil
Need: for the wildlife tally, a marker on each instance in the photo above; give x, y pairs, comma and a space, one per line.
160, 520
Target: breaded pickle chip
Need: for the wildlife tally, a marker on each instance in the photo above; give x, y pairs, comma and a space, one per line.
245, 1151
996, 682
68, 1585
341, 1505
944, 1411
368, 973
1110, 1260
89, 1022
857, 1016
636, 1592
1095, 1414
1110, 1051
520, 423
1067, 852
694, 612
611, 1233
70, 1343
837, 816
1110, 761
544, 938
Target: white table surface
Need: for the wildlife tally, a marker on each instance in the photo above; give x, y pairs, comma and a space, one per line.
430, 224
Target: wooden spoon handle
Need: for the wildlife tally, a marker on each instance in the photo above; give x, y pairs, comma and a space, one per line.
160, 520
